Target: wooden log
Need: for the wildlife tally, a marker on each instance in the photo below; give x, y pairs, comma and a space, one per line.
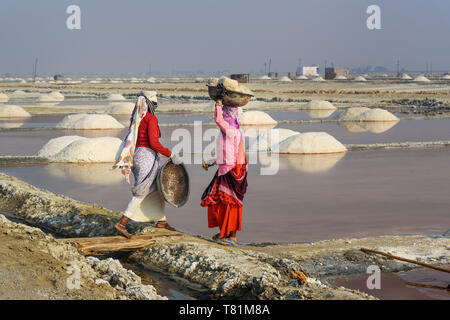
102, 245
404, 259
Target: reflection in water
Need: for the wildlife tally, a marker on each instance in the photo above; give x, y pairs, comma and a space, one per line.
254, 131
311, 163
98, 174
10, 124
319, 113
368, 126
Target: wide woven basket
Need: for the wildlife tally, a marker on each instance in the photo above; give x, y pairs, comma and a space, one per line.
230, 98
173, 183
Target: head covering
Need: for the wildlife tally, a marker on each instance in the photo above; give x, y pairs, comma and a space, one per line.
124, 159
231, 115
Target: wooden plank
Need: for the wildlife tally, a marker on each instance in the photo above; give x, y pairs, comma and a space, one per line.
101, 248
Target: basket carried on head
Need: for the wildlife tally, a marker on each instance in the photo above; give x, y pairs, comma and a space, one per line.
230, 98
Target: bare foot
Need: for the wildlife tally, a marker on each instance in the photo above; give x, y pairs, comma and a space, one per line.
121, 228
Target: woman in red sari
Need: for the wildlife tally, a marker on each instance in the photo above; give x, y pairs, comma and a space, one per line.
225, 194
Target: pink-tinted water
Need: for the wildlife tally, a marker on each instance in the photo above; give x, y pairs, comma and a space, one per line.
311, 198
420, 284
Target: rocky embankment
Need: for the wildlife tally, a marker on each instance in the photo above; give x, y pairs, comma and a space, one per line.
264, 271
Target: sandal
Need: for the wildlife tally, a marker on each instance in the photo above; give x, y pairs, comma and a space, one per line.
165, 225
227, 242
121, 228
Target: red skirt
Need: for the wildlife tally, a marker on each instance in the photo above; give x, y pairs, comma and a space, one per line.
224, 197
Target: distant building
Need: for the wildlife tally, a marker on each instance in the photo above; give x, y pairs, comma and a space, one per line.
241, 77
272, 75
292, 75
310, 71
331, 73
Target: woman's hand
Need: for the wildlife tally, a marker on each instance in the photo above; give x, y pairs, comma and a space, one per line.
219, 103
205, 165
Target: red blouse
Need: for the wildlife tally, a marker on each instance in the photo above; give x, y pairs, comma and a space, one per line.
148, 135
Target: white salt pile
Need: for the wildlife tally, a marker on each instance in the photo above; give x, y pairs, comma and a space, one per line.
285, 79
11, 111
19, 94
366, 114
89, 121
121, 108
446, 77
317, 79
256, 118
340, 78
421, 79
268, 139
318, 105
3, 97
406, 76
102, 149
302, 78
310, 143
52, 96
55, 145
264, 78
360, 79
115, 97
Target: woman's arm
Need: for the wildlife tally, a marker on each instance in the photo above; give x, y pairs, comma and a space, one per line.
153, 137
224, 126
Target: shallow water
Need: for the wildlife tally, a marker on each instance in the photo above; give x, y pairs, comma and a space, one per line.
420, 284
311, 198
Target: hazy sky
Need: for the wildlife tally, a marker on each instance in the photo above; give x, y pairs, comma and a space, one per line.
123, 37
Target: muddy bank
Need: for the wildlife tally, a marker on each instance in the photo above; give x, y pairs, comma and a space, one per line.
248, 272
35, 265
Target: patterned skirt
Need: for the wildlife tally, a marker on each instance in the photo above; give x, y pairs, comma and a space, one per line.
145, 169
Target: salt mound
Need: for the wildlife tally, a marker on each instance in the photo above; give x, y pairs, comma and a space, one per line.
89, 121
256, 118
269, 139
53, 96
285, 79
57, 95
302, 78
55, 145
360, 79
10, 125
421, 79
264, 78
318, 105
366, 114
121, 108
96, 174
340, 78
11, 111
406, 76
115, 97
314, 163
19, 94
317, 79
446, 77
102, 149
319, 113
3, 97
311, 142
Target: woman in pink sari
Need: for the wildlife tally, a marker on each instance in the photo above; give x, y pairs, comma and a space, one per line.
225, 194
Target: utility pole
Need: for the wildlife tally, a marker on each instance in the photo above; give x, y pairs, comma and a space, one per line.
270, 63
398, 68
35, 70
265, 68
